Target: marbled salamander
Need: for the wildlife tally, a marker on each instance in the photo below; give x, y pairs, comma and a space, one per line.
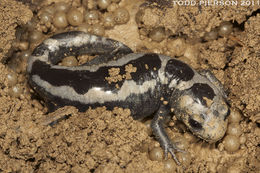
158, 85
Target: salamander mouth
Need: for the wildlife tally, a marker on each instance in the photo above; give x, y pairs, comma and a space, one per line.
212, 137
208, 139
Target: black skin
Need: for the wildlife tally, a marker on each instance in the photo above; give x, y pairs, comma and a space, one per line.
141, 105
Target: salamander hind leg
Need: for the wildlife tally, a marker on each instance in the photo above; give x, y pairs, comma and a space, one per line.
161, 135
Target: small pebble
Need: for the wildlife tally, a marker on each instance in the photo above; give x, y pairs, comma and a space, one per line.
45, 17
60, 20
157, 34
231, 143
74, 17
212, 35
234, 129
35, 36
234, 117
121, 16
225, 29
91, 16
108, 20
15, 91
169, 165
156, 154
103, 4
98, 29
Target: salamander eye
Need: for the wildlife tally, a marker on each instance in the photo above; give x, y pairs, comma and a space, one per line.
195, 124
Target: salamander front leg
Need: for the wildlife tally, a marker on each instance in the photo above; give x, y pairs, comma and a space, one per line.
161, 135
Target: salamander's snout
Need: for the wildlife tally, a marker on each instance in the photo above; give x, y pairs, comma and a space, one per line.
213, 128
209, 121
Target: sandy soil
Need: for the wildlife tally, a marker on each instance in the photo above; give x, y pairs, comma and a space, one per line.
111, 141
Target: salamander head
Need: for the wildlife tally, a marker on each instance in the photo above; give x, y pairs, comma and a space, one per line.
204, 113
